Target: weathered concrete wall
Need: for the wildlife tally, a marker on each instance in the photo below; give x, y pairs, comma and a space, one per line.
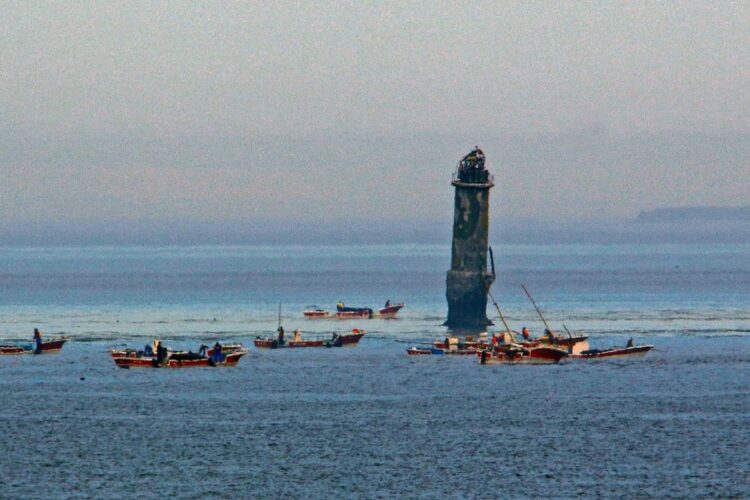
468, 280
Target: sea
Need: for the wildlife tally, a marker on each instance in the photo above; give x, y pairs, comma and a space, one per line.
370, 421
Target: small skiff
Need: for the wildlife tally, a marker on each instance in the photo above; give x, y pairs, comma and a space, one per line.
390, 312
418, 351
50, 346
348, 339
615, 352
132, 359
514, 354
315, 312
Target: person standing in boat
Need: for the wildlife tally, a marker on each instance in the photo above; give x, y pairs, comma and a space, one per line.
630, 342
388, 303
525, 333
280, 331
159, 351
217, 355
37, 341
297, 336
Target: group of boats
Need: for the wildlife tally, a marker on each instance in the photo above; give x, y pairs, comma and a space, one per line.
227, 355
157, 355
389, 311
506, 348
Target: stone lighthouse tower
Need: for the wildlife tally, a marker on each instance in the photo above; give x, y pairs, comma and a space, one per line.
468, 280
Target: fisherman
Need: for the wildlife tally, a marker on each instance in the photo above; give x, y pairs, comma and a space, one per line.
388, 303
525, 333
217, 355
548, 333
37, 341
494, 338
161, 352
630, 342
297, 336
280, 331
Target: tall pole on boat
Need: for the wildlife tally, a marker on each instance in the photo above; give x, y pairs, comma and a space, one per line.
279, 325
536, 307
502, 318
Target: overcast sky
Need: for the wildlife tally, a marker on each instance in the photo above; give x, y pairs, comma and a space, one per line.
176, 111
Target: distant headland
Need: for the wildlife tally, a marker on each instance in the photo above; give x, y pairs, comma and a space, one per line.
694, 214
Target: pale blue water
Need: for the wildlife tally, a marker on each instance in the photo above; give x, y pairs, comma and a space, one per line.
371, 421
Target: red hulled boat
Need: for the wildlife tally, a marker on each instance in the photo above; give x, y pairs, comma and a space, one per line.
390, 311
418, 351
51, 346
129, 358
315, 312
337, 340
516, 354
615, 352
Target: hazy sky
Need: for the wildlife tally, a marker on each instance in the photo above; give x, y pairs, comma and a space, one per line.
119, 112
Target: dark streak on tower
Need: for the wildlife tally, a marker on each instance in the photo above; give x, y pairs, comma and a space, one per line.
468, 280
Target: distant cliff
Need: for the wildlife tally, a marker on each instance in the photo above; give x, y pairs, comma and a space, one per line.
695, 214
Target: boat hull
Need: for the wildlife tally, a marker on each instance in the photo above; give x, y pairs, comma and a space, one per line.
513, 356
150, 362
351, 339
317, 314
390, 312
48, 347
363, 314
416, 351
622, 352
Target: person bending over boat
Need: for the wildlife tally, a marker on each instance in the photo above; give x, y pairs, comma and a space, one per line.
548, 333
37, 341
280, 331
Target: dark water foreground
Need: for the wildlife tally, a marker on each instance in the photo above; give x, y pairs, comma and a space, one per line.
372, 422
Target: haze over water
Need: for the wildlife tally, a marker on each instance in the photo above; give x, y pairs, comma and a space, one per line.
305, 151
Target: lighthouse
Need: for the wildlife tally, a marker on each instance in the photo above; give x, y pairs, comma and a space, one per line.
468, 280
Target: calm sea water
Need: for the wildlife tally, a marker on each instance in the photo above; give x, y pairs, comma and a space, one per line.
371, 421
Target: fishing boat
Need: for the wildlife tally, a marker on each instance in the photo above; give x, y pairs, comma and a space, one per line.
615, 352
517, 354
315, 312
343, 312
336, 340
390, 311
48, 347
418, 351
226, 349
130, 358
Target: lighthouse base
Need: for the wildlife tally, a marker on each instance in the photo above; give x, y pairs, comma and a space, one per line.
467, 300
